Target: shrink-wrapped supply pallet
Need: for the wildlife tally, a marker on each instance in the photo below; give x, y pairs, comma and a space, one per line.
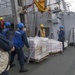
45, 46
55, 46
39, 48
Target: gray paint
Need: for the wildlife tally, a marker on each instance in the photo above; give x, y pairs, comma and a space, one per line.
58, 64
5, 7
9, 18
69, 21
35, 20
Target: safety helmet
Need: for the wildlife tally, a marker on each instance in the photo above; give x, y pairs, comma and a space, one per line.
41, 25
1, 18
61, 27
7, 24
20, 25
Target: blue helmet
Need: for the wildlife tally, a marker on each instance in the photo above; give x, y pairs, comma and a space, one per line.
20, 25
61, 27
7, 24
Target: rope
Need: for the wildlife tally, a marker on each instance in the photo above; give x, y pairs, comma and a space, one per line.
27, 6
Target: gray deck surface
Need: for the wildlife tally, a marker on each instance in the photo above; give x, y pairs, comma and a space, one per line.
59, 64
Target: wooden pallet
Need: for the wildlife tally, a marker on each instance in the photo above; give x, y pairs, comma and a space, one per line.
38, 61
56, 52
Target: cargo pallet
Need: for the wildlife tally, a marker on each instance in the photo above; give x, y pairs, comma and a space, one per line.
38, 61
56, 52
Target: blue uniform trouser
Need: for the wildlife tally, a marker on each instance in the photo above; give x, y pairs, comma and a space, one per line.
5, 73
62, 43
1, 31
20, 54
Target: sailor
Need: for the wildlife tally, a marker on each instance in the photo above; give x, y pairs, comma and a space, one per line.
61, 36
1, 24
7, 27
41, 32
19, 40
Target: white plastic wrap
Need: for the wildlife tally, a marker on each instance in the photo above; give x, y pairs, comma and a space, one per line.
66, 43
54, 46
39, 46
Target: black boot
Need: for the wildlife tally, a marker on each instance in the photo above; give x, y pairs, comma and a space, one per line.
22, 69
12, 65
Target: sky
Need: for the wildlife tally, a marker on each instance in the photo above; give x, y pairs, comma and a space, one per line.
71, 4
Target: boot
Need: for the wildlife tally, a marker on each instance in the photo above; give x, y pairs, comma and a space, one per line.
12, 65
22, 69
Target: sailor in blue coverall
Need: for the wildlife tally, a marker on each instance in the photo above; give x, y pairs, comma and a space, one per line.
61, 36
19, 40
7, 25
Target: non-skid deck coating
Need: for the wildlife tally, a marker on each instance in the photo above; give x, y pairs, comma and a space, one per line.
59, 64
